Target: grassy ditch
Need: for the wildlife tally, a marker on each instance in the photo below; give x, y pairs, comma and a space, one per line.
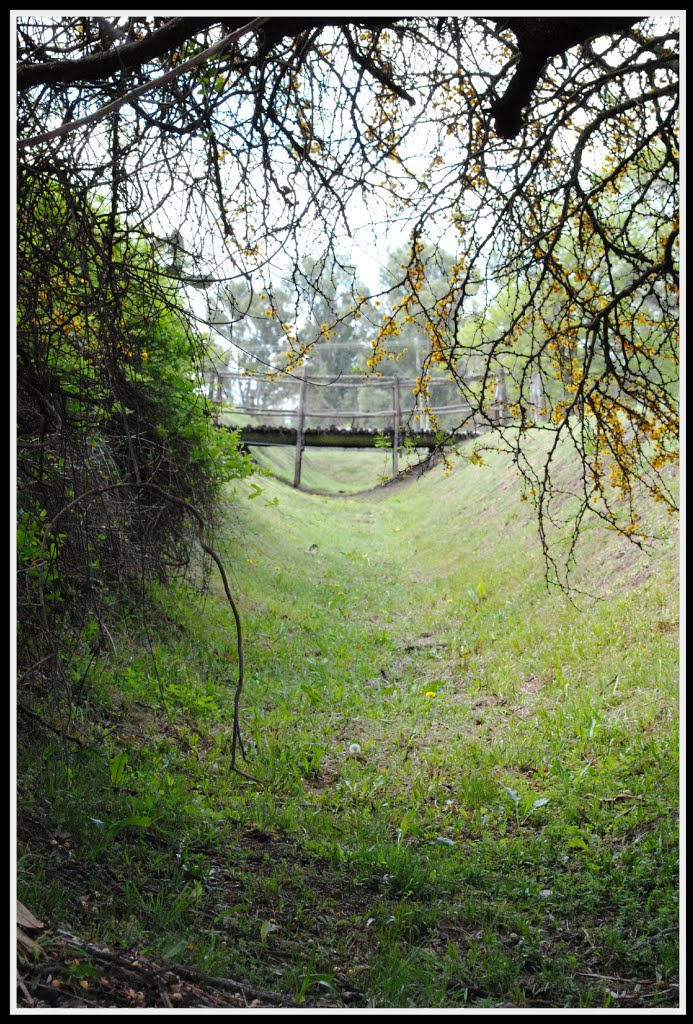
467, 787
330, 470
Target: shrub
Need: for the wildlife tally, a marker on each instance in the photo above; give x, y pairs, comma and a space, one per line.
114, 432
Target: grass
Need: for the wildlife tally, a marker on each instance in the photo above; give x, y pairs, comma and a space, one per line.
507, 833
334, 471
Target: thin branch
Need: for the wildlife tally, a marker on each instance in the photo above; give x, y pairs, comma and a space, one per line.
155, 83
46, 725
189, 973
378, 73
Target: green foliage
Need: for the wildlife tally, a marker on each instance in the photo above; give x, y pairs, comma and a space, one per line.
115, 436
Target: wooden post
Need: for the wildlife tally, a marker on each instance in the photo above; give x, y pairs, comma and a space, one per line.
536, 394
218, 399
501, 401
299, 429
212, 383
395, 432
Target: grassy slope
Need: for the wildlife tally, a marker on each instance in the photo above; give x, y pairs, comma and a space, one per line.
507, 834
334, 470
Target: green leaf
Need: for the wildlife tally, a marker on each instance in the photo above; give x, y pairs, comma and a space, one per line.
514, 796
134, 821
175, 949
118, 765
313, 695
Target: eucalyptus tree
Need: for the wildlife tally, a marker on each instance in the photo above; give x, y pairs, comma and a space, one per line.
541, 152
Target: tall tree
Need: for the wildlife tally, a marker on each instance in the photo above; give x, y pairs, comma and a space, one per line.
541, 152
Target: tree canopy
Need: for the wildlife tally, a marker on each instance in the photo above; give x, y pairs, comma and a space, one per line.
540, 152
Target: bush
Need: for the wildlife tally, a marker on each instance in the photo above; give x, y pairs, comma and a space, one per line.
114, 432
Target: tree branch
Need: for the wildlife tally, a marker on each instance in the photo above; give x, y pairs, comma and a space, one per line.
378, 73
103, 64
538, 40
155, 83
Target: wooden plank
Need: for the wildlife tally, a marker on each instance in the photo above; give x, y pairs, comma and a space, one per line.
288, 436
536, 395
246, 410
499, 412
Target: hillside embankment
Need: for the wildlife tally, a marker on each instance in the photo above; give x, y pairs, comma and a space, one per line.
464, 785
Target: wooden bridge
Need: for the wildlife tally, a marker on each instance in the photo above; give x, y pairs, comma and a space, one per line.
293, 424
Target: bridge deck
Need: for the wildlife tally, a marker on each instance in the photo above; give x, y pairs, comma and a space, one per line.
332, 437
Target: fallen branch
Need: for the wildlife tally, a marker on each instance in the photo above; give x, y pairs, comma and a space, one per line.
625, 981
619, 796
247, 991
156, 970
46, 725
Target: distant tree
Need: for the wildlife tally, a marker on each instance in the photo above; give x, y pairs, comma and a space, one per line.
540, 152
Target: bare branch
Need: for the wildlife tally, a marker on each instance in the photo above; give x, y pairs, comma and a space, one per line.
155, 83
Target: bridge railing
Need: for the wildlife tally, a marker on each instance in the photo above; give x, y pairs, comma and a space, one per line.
381, 400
